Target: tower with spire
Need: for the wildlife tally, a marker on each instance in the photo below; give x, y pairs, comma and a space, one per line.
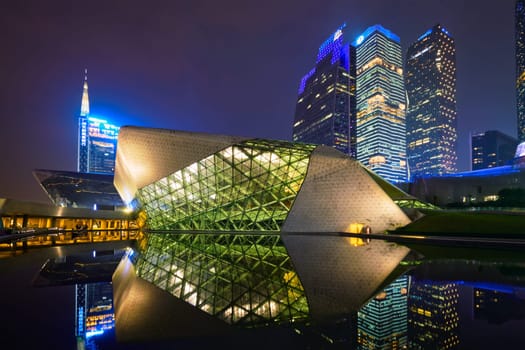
82, 154
97, 140
84, 107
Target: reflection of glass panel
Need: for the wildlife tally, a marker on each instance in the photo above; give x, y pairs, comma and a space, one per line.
249, 186
242, 279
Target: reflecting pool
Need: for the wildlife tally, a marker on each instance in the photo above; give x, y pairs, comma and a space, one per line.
446, 302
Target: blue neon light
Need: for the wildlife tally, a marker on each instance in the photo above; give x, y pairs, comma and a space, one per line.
501, 170
503, 288
376, 28
427, 33
302, 85
94, 333
345, 57
332, 45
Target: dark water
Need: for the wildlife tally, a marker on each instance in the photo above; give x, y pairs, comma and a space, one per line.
474, 303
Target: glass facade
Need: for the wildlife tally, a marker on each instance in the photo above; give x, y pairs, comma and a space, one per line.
79, 190
520, 66
381, 133
97, 146
430, 82
247, 186
433, 315
382, 322
325, 109
491, 149
243, 279
97, 140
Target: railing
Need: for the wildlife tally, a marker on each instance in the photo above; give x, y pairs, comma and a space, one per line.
23, 239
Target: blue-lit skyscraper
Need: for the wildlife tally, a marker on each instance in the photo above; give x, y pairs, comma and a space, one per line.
382, 322
381, 133
430, 80
520, 66
325, 110
97, 140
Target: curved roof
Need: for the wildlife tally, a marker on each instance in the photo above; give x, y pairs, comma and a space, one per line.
145, 155
213, 182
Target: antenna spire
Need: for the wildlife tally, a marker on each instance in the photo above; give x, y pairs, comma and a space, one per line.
84, 107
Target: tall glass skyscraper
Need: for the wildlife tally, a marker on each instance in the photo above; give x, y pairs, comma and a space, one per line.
520, 66
325, 110
381, 133
97, 140
382, 322
430, 81
433, 315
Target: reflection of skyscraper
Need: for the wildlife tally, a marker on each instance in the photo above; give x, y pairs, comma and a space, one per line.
325, 110
94, 312
433, 315
381, 133
99, 308
80, 310
499, 306
97, 140
520, 66
430, 80
382, 322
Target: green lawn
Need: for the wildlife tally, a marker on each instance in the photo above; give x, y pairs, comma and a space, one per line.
460, 223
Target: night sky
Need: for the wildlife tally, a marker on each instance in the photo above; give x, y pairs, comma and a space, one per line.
230, 67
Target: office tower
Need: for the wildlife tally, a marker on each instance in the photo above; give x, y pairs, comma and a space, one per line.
381, 133
520, 66
492, 149
433, 315
430, 81
82, 154
325, 110
97, 140
382, 322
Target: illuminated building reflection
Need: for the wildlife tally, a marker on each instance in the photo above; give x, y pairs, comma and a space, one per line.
95, 316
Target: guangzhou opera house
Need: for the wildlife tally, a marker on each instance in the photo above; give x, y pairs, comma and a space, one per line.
243, 232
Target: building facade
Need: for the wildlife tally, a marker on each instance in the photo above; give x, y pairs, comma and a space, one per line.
491, 149
325, 109
97, 140
382, 322
433, 315
520, 66
500, 186
430, 80
236, 206
381, 104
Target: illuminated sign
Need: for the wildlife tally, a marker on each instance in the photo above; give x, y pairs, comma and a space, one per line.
102, 129
360, 39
